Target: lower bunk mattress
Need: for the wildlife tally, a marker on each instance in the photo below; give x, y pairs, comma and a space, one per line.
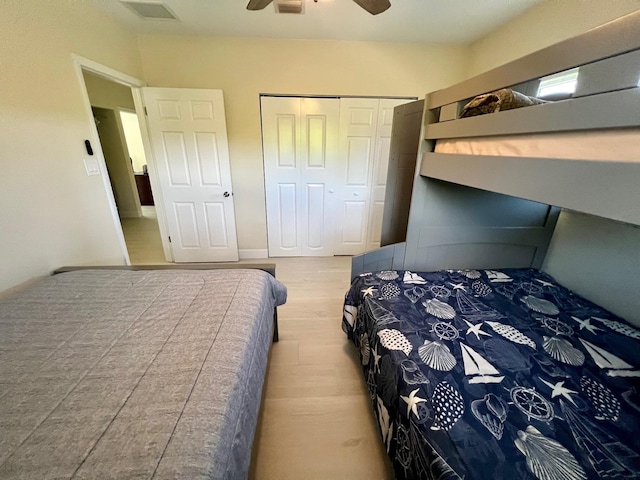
134, 374
496, 375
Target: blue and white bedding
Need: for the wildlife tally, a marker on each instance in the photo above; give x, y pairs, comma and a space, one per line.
496, 375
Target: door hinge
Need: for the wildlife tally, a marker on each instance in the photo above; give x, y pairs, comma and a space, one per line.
145, 111
169, 238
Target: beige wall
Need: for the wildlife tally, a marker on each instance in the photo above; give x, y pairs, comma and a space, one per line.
549, 22
51, 212
245, 68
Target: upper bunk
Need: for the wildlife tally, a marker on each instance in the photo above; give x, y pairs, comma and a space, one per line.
581, 152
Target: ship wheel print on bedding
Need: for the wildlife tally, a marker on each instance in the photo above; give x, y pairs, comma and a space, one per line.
608, 457
440, 291
530, 288
531, 403
556, 325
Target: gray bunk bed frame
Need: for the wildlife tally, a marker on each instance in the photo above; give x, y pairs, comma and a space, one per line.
472, 211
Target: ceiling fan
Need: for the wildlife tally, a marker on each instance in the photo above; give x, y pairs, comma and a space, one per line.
374, 7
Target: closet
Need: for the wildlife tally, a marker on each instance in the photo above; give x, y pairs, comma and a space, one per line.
325, 165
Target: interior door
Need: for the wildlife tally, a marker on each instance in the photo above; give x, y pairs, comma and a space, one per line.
300, 153
365, 137
188, 134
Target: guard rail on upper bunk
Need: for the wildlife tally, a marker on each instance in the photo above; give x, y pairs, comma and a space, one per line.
608, 98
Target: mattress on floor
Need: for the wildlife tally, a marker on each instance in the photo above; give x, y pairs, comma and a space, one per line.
134, 374
500, 375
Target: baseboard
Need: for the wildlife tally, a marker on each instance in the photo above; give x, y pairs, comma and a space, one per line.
244, 254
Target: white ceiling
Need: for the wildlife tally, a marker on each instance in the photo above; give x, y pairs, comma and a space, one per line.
413, 21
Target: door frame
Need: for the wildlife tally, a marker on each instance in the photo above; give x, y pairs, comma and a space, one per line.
84, 64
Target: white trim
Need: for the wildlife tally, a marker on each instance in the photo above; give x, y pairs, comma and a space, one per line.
81, 64
246, 254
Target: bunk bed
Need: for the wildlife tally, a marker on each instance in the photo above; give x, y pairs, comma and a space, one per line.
478, 363
131, 372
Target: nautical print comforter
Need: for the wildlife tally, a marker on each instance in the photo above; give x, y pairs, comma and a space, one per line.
496, 375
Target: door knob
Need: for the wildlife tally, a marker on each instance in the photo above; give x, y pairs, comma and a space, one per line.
226, 194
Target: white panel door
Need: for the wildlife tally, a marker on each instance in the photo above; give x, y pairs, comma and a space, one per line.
365, 137
358, 124
188, 133
299, 138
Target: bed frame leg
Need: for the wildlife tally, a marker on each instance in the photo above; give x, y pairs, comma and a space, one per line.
275, 325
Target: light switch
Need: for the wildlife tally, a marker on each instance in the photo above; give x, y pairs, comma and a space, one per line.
91, 165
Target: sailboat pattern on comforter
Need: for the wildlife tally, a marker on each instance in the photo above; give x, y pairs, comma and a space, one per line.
496, 374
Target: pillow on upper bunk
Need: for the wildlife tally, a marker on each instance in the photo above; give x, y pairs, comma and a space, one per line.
503, 99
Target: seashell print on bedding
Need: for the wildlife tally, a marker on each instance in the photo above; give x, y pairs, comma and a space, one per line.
491, 412
547, 459
439, 309
414, 294
411, 373
387, 275
562, 350
365, 349
540, 305
437, 355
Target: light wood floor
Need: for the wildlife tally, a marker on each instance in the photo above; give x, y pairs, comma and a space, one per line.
317, 421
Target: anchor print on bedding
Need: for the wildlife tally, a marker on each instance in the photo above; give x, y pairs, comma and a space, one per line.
500, 374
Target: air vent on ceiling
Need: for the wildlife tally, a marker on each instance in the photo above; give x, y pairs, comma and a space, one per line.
289, 6
150, 10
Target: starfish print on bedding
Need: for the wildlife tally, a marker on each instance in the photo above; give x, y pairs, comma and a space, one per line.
412, 402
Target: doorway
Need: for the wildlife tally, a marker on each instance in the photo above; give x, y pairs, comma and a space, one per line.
113, 108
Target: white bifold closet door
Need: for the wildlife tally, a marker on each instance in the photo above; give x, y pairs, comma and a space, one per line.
300, 141
325, 163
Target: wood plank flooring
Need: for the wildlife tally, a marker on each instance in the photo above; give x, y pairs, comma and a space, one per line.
317, 421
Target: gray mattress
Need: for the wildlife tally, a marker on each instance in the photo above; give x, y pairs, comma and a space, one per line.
134, 374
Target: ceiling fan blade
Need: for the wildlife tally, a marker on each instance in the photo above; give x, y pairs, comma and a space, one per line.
374, 7
258, 4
